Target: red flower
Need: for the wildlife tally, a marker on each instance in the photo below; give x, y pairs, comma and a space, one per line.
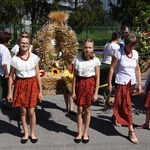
42, 73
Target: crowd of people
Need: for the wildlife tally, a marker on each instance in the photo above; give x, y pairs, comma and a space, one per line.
119, 68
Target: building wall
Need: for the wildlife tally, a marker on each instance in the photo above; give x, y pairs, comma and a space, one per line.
105, 3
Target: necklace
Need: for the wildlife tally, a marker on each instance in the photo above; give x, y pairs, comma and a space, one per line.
128, 54
24, 57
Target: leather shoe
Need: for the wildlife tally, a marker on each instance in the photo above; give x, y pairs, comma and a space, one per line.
33, 140
134, 140
23, 141
85, 140
144, 126
72, 112
77, 140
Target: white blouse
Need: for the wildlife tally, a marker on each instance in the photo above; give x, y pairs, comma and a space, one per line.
108, 53
25, 69
86, 68
125, 71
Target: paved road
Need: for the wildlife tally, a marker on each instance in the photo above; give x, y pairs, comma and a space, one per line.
56, 130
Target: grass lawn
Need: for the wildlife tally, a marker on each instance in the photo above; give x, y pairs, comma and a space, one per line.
100, 36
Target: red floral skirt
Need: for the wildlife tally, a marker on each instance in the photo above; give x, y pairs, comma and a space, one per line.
84, 90
147, 97
25, 92
122, 108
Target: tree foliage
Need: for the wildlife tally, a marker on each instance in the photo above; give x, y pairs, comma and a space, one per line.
124, 11
90, 13
135, 14
10, 12
142, 28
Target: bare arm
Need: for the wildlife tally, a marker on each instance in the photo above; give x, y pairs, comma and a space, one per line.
138, 76
74, 82
111, 72
39, 81
97, 79
10, 82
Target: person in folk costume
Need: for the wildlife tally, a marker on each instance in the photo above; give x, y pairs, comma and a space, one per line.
147, 95
127, 72
86, 71
27, 86
15, 49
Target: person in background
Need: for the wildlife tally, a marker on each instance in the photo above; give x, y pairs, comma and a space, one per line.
124, 31
15, 49
69, 104
109, 50
126, 74
107, 56
68, 98
86, 74
5, 58
146, 104
27, 87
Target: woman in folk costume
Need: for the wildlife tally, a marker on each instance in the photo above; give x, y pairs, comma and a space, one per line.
146, 104
27, 86
128, 70
85, 87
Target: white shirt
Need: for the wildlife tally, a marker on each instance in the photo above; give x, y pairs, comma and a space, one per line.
125, 71
109, 51
5, 58
15, 49
25, 69
86, 68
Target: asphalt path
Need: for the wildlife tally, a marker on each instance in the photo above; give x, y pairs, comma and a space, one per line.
56, 129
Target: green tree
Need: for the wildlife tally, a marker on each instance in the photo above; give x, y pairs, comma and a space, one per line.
142, 29
124, 11
10, 12
90, 13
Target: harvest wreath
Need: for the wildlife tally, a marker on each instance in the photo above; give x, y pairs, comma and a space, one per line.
56, 45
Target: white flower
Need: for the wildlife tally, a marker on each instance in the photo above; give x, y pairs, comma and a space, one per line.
53, 42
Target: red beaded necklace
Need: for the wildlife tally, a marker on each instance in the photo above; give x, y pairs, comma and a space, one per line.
25, 59
128, 54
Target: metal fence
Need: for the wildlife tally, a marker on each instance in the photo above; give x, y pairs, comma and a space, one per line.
100, 34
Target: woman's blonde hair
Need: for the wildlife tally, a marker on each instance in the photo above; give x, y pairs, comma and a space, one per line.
130, 39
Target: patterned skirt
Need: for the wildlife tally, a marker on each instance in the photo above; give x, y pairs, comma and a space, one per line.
147, 97
25, 92
122, 108
84, 90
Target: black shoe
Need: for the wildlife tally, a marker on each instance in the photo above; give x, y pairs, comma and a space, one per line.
23, 141
85, 140
33, 140
66, 110
77, 140
8, 107
72, 112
